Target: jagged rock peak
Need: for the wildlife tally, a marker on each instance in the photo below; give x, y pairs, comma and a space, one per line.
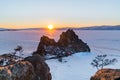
47, 41
68, 43
68, 37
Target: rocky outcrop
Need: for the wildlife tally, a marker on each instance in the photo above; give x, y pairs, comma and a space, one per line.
69, 39
67, 44
42, 71
18, 71
8, 59
45, 42
107, 74
31, 68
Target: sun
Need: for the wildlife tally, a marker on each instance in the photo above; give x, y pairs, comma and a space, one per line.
50, 27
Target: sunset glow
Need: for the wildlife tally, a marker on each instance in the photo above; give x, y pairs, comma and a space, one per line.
18, 14
50, 27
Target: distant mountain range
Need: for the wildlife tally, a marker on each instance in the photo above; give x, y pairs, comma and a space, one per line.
117, 27
4, 29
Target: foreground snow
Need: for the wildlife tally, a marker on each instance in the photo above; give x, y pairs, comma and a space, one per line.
75, 67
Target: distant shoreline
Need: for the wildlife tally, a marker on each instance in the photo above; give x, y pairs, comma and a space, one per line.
117, 27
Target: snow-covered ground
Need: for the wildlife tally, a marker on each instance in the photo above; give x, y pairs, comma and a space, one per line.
78, 65
75, 67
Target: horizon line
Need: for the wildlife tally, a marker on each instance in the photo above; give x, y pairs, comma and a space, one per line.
60, 27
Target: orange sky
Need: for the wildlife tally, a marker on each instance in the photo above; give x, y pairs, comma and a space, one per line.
60, 13
56, 25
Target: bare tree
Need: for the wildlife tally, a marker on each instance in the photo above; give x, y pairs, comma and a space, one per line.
12, 57
17, 54
19, 49
100, 61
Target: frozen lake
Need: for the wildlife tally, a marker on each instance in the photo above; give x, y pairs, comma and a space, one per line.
100, 42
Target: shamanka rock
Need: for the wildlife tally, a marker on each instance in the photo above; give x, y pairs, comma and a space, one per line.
107, 74
69, 39
68, 43
45, 42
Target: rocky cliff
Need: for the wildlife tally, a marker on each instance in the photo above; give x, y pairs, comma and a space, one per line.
107, 74
41, 69
31, 68
67, 44
18, 71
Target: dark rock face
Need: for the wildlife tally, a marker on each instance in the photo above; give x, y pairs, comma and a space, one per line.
107, 74
18, 71
31, 68
68, 37
44, 42
67, 44
41, 69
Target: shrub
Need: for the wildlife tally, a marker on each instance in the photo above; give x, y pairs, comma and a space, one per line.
101, 60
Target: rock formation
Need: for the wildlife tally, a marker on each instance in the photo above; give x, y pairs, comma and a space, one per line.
18, 71
44, 43
67, 44
107, 74
41, 69
69, 39
31, 68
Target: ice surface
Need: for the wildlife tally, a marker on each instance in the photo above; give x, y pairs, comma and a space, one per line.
77, 66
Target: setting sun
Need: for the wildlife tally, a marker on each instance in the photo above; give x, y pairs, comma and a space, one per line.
50, 27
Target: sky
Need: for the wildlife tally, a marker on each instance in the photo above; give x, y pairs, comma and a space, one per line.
60, 13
